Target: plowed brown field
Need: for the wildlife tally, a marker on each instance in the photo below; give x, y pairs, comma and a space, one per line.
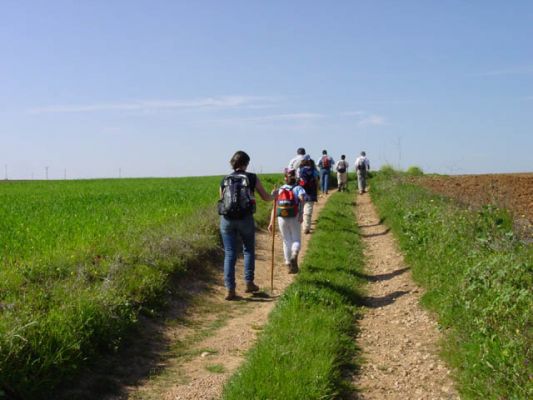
513, 192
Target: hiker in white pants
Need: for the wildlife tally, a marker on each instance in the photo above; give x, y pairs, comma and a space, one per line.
362, 165
290, 229
290, 199
342, 173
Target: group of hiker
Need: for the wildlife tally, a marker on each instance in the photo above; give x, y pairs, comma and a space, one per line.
294, 202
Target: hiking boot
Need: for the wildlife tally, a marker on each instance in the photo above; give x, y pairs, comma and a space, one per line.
293, 268
231, 295
251, 287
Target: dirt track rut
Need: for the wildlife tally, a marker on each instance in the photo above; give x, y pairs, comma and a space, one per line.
397, 337
210, 361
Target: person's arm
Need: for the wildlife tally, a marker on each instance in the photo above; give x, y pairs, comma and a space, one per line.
262, 192
271, 223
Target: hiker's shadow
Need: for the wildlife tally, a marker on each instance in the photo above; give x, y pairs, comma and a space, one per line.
369, 235
260, 297
383, 277
380, 222
378, 302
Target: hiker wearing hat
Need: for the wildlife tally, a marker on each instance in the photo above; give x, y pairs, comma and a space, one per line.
342, 173
236, 208
362, 166
325, 164
290, 200
308, 179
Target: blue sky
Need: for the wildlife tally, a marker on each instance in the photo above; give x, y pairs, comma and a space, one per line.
173, 88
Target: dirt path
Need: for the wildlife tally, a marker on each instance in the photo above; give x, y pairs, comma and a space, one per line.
398, 339
217, 334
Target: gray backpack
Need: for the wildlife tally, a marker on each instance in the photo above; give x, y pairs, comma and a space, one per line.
237, 200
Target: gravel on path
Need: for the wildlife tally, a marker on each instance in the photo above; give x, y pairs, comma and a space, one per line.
398, 339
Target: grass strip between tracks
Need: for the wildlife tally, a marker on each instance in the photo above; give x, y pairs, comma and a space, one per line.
478, 277
308, 340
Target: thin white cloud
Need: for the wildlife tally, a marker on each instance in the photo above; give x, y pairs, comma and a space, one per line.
352, 113
522, 70
365, 118
286, 117
154, 105
372, 120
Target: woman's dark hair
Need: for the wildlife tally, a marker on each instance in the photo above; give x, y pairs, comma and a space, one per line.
239, 160
290, 176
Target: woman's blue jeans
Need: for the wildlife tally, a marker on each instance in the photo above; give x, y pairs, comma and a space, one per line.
231, 230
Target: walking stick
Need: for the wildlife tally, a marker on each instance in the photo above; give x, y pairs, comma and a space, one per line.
273, 242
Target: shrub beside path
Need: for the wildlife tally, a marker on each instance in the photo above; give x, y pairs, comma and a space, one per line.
398, 339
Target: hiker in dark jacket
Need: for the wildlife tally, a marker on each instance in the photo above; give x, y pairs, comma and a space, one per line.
237, 220
308, 179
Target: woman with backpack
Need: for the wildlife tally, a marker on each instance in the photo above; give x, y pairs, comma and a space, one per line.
236, 208
290, 200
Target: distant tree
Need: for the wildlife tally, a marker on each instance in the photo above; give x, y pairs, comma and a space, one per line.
414, 171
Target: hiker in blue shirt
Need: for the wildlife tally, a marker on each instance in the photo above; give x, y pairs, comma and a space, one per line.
325, 164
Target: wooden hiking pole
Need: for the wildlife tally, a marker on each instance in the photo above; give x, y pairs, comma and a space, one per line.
274, 209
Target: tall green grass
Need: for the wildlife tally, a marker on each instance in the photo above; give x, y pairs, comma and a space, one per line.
79, 260
308, 340
479, 279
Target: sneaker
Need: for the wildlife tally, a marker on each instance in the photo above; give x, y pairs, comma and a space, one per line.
293, 269
231, 295
251, 287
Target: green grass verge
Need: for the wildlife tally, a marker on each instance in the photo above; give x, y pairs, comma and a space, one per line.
479, 279
80, 260
309, 338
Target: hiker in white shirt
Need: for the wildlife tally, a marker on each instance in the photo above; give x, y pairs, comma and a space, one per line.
294, 164
362, 166
342, 173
